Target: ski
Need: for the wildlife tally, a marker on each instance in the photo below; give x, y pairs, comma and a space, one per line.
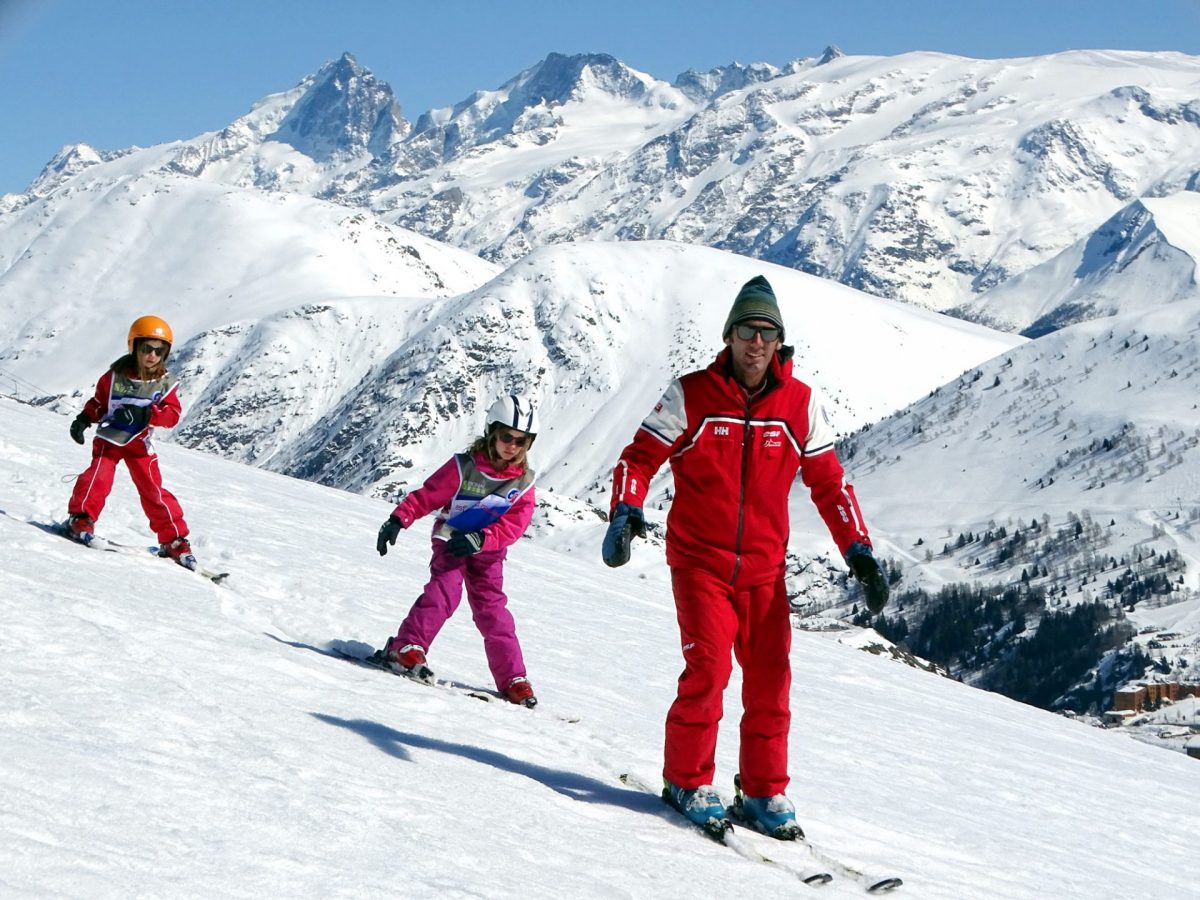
104, 544
422, 674
872, 884
214, 577
725, 834
367, 656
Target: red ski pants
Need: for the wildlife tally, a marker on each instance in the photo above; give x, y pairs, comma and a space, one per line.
93, 486
753, 622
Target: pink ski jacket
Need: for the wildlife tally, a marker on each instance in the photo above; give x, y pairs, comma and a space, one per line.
447, 491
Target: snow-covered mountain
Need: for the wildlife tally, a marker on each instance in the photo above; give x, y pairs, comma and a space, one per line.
1069, 466
923, 177
318, 338
1144, 256
321, 342
166, 737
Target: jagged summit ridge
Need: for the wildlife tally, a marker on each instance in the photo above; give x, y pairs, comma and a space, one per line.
346, 111
723, 79
926, 178
528, 101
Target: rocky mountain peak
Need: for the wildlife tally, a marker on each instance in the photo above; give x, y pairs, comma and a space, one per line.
67, 162
558, 78
526, 102
702, 86
832, 52
346, 111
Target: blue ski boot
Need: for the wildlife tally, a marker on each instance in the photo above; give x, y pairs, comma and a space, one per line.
702, 806
774, 816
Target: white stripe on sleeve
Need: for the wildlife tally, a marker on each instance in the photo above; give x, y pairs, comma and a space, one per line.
821, 436
669, 419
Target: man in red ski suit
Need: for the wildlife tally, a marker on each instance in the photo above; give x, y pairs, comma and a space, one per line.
735, 434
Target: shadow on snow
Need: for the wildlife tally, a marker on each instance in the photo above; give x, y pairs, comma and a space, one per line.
569, 784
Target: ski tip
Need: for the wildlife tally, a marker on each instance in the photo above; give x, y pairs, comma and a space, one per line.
818, 879
882, 887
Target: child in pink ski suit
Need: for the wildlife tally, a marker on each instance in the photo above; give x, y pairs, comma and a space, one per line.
484, 500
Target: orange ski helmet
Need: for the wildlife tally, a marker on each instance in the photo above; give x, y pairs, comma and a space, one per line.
150, 327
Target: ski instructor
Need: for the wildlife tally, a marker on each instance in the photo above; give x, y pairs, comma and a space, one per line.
736, 433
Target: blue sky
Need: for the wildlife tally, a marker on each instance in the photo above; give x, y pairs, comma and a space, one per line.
114, 73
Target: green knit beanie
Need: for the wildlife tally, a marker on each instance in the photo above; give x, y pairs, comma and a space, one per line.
756, 300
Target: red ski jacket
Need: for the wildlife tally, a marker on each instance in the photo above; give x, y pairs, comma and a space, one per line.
734, 460
115, 390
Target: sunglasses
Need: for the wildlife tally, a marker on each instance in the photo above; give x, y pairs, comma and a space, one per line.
509, 438
747, 332
156, 349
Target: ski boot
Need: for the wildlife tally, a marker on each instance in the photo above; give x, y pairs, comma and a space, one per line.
80, 527
702, 806
774, 816
408, 661
520, 691
180, 551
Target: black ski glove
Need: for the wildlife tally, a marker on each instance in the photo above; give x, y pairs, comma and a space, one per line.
464, 543
866, 569
134, 417
79, 425
387, 534
626, 524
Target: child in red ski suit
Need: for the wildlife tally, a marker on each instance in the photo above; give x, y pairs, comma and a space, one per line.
485, 500
133, 397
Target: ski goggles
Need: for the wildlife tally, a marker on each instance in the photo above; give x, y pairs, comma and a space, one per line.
747, 332
509, 438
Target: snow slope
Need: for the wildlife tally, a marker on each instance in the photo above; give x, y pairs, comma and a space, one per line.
166, 737
317, 341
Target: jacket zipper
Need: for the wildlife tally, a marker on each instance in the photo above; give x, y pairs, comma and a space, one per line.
737, 545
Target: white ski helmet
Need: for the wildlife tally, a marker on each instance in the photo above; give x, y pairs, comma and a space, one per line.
514, 412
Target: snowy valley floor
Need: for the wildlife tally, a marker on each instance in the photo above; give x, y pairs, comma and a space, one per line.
166, 737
